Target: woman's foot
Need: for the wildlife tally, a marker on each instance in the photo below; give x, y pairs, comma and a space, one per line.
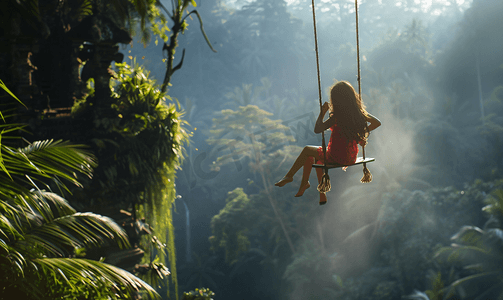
323, 198
284, 181
302, 189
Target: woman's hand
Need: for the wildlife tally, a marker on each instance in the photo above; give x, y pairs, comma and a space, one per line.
320, 126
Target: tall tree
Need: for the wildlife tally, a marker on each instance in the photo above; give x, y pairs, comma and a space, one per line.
249, 132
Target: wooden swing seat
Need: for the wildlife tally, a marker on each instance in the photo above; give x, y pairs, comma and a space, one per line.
359, 161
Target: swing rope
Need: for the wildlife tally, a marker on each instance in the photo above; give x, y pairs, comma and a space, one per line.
367, 176
325, 185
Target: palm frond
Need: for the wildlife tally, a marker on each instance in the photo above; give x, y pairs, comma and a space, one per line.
14, 259
5, 88
63, 234
91, 273
8, 229
2, 166
468, 233
417, 295
472, 277
41, 161
85, 8
51, 204
49, 156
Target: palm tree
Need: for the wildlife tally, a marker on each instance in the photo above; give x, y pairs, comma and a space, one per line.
41, 235
249, 133
480, 252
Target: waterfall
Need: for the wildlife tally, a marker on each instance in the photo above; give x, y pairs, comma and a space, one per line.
481, 101
188, 251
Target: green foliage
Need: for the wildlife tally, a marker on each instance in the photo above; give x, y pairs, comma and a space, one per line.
6, 89
91, 279
126, 13
245, 95
42, 160
144, 119
135, 80
262, 225
139, 133
437, 286
262, 96
157, 273
199, 294
492, 129
412, 224
39, 230
138, 138
229, 226
413, 40
249, 132
492, 125
480, 252
494, 205
178, 15
251, 135
310, 263
399, 254
81, 105
386, 290
141, 139
154, 135
416, 39
145, 16
161, 28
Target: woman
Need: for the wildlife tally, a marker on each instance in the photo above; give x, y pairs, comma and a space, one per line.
348, 120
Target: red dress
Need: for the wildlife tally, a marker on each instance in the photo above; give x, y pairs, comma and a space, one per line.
339, 149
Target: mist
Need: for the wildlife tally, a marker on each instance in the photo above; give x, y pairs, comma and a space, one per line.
431, 71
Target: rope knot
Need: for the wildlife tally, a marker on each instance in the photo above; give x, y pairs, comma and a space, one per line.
325, 185
367, 176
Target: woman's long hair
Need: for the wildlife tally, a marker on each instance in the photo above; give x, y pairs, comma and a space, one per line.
349, 111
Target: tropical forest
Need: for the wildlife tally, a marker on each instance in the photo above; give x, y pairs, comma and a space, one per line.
143, 145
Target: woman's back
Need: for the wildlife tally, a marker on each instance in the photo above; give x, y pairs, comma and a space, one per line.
339, 149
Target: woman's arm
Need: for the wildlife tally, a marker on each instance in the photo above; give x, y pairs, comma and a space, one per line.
321, 126
374, 122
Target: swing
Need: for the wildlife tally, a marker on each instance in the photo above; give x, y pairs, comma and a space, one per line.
359, 161
324, 185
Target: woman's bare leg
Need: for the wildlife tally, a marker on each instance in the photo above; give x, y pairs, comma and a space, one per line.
304, 183
308, 151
